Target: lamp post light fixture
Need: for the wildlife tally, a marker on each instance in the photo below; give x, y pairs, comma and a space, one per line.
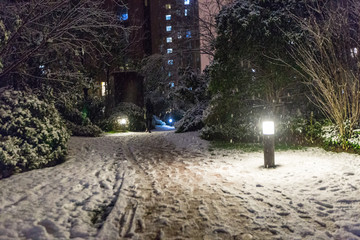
269, 144
123, 121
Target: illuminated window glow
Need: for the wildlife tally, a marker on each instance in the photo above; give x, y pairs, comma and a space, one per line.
188, 34
354, 52
169, 39
103, 88
168, 28
186, 2
167, 17
170, 62
167, 6
186, 12
169, 50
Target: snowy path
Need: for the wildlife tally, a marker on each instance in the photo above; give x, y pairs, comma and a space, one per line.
168, 186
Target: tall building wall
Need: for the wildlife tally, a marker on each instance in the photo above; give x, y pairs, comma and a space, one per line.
166, 27
175, 34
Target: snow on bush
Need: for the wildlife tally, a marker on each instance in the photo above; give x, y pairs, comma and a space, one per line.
330, 134
192, 120
80, 125
32, 134
332, 137
77, 122
133, 115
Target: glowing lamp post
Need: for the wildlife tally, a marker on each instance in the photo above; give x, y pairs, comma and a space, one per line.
171, 121
123, 121
269, 145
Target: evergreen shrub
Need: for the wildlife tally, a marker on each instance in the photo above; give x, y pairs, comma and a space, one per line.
78, 122
192, 119
331, 137
133, 114
32, 134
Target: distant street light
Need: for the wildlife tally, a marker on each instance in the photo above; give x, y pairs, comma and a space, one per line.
170, 120
122, 121
269, 144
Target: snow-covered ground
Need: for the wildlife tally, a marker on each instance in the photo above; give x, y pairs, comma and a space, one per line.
169, 186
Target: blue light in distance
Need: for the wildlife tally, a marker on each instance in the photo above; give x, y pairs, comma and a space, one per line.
170, 120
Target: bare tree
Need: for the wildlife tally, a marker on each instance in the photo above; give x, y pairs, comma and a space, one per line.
63, 34
330, 59
208, 10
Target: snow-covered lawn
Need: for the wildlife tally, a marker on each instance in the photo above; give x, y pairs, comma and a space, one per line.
169, 186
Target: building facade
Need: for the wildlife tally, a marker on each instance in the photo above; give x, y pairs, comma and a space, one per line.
166, 27
175, 34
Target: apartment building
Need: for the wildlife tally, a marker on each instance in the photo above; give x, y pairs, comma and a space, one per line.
175, 34
166, 27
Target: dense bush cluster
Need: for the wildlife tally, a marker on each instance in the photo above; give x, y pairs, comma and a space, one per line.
331, 137
81, 123
130, 112
32, 134
192, 119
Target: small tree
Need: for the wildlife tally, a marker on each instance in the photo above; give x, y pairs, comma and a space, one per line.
330, 60
156, 81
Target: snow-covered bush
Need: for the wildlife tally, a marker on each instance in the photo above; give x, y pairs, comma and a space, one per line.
32, 135
88, 130
331, 136
192, 120
78, 122
131, 113
354, 140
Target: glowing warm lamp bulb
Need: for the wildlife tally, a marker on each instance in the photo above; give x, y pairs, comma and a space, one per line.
268, 128
123, 121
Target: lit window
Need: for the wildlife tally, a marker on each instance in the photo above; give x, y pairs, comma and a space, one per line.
103, 88
168, 6
172, 84
122, 14
186, 12
168, 28
169, 50
170, 62
354, 52
188, 34
179, 35
169, 74
167, 17
186, 2
169, 39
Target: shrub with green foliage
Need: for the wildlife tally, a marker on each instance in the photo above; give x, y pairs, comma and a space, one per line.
79, 122
331, 136
192, 119
32, 134
133, 114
